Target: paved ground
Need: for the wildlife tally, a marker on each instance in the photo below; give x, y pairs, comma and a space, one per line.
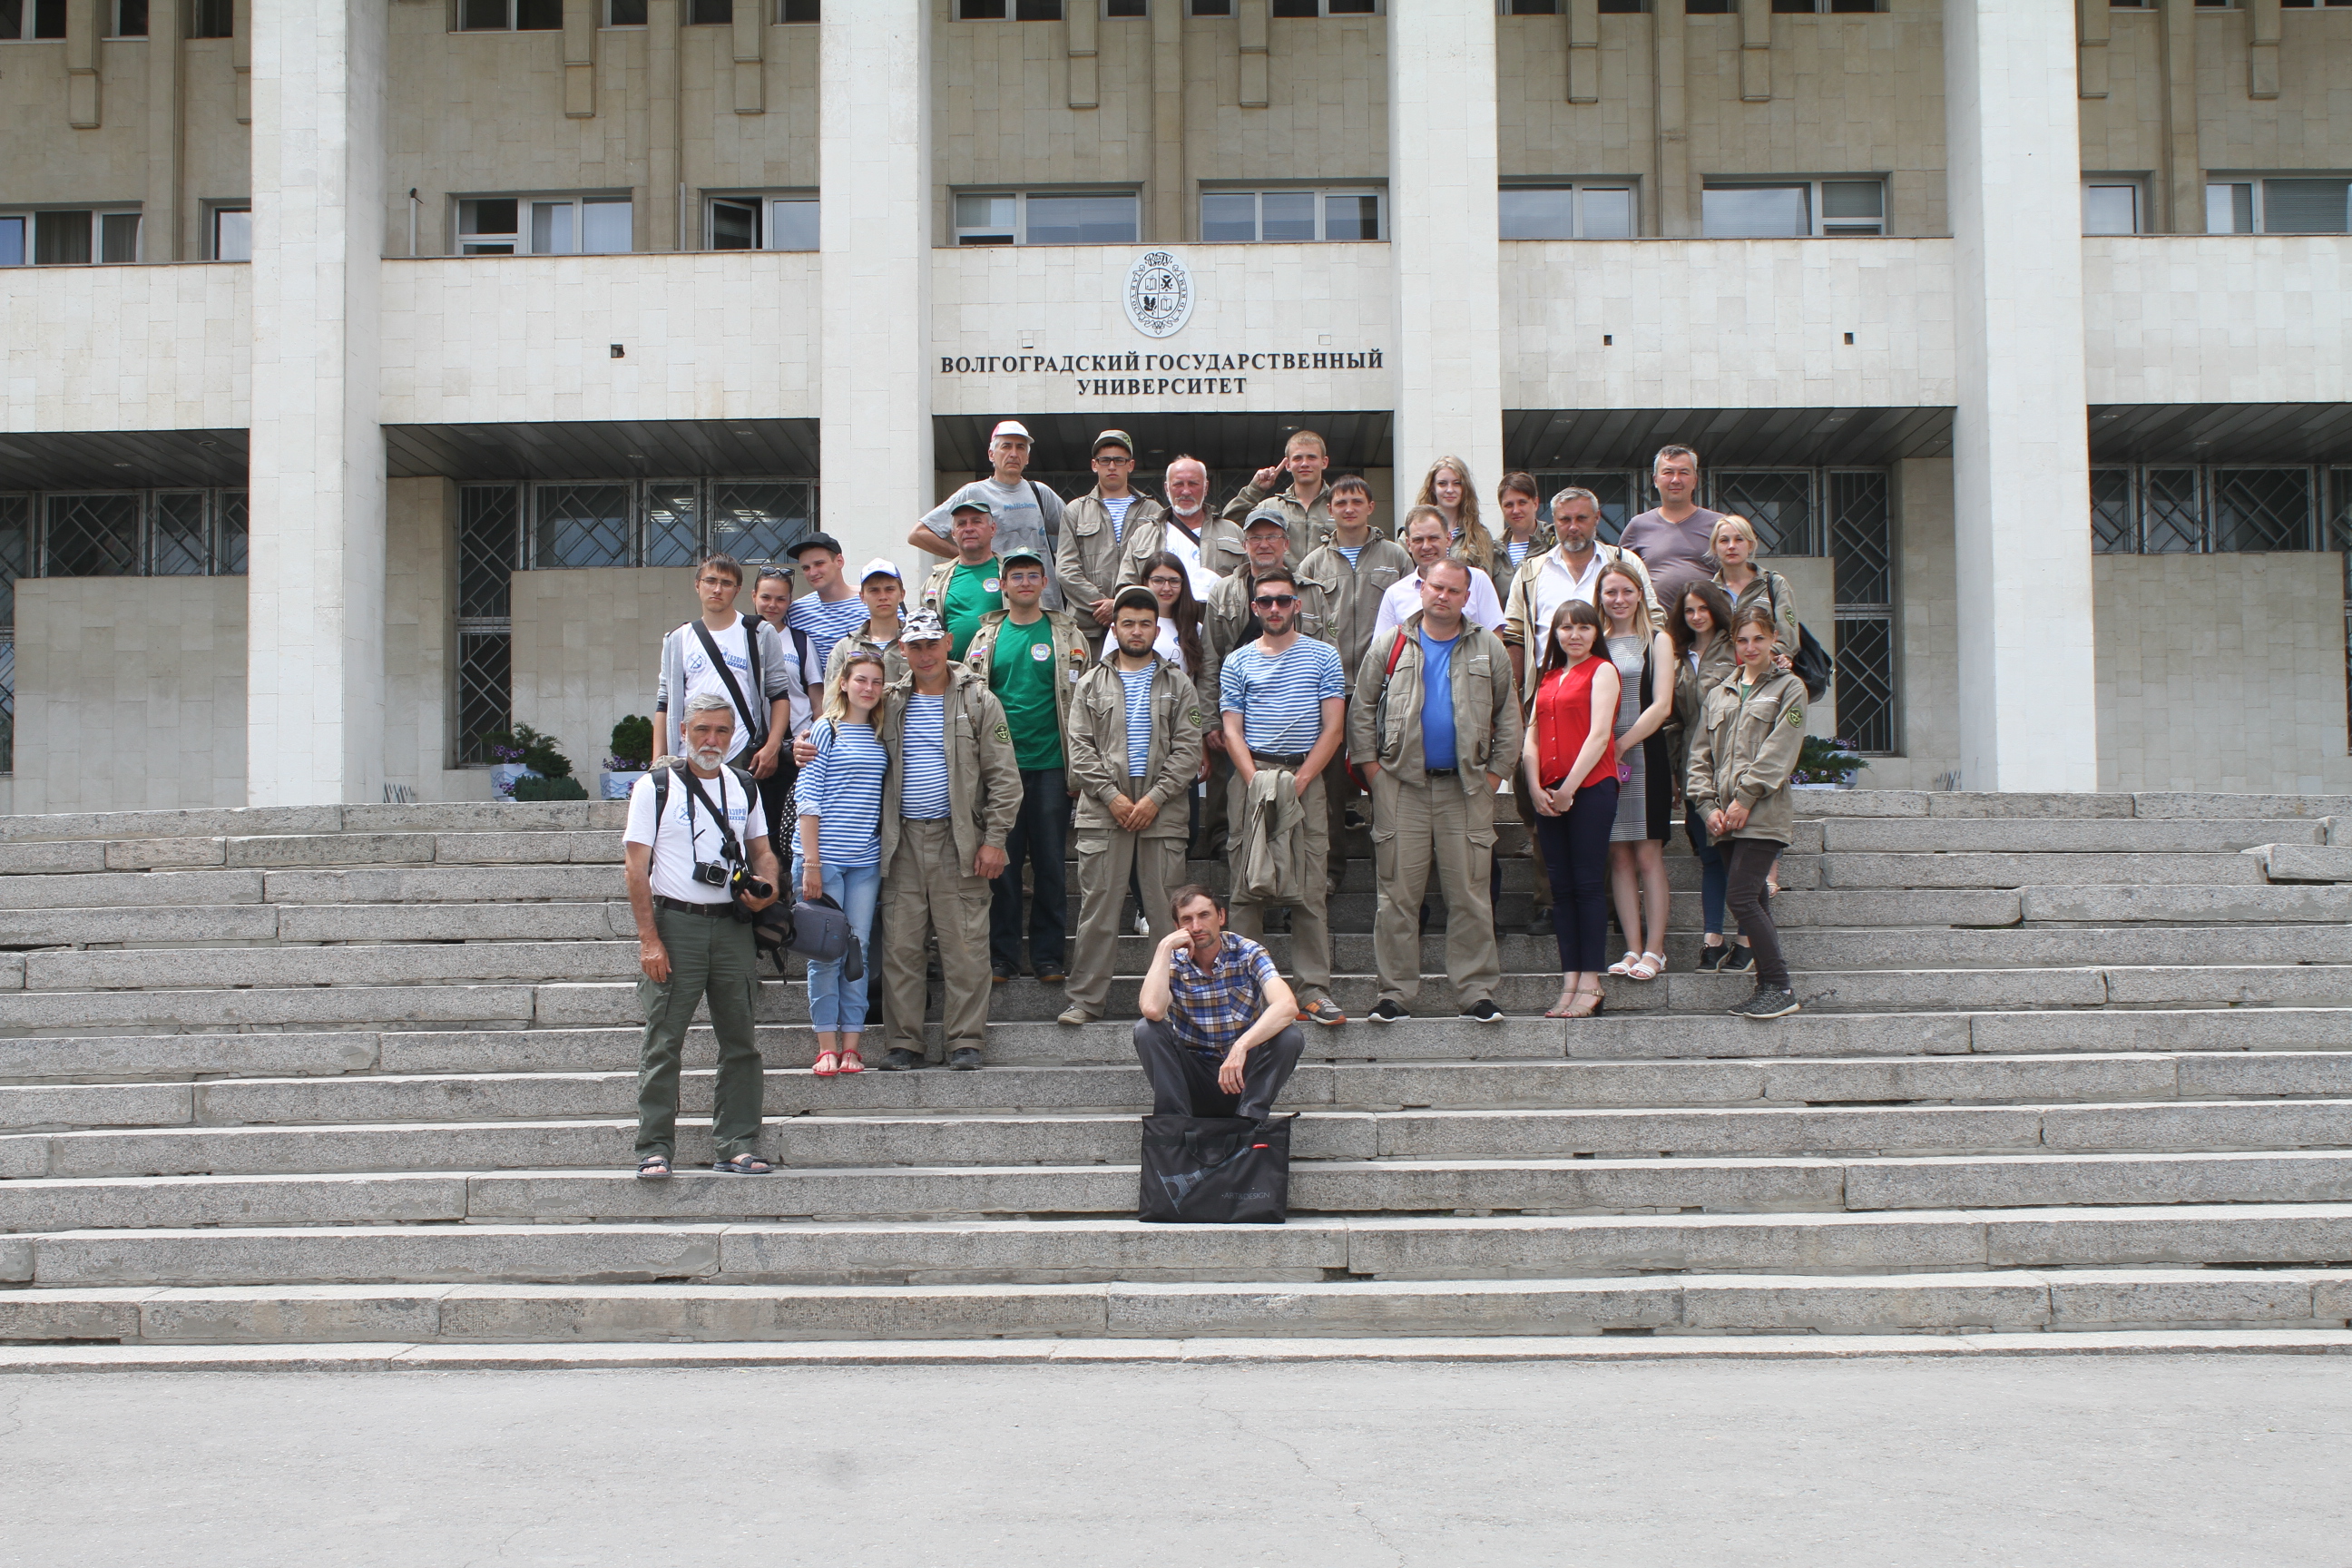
2139, 1460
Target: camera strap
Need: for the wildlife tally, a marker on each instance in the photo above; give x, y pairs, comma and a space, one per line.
727, 848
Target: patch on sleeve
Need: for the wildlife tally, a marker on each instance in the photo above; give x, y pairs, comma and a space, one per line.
1795, 717
1004, 731
1193, 717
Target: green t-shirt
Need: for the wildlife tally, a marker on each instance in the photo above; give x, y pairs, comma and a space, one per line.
1022, 673
973, 591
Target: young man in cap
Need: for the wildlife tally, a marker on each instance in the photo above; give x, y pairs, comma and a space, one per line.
1094, 530
830, 609
1030, 659
962, 591
1435, 728
1025, 511
1135, 727
1305, 506
948, 801
883, 592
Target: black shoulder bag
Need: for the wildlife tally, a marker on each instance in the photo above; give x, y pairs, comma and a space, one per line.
1809, 662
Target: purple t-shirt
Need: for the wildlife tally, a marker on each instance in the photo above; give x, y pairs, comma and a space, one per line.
1675, 553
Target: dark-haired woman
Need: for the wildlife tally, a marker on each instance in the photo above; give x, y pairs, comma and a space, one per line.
1700, 623
1570, 762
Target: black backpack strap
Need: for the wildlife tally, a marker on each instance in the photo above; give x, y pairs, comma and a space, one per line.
751, 624
753, 726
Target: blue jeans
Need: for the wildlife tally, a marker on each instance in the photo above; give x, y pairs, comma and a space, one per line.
1041, 838
839, 1005
1714, 877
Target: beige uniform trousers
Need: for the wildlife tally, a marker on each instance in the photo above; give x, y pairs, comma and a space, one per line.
1414, 827
1105, 856
1310, 925
928, 890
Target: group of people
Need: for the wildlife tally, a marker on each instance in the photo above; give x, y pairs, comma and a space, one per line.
1125, 681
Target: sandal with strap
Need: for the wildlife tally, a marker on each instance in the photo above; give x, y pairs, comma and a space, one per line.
1599, 1002
652, 1167
1652, 965
742, 1165
1559, 1010
821, 1069
851, 1062
1625, 965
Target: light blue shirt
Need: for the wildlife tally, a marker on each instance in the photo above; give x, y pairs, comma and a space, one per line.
1280, 699
1437, 700
923, 752
842, 788
825, 624
1137, 683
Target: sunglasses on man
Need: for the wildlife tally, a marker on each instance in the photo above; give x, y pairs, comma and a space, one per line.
1274, 601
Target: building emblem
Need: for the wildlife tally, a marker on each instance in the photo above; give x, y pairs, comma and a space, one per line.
1159, 294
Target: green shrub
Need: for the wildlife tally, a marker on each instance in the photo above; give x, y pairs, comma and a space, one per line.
633, 744
550, 789
1826, 762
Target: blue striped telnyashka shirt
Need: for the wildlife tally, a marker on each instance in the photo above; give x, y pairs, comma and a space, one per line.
842, 788
1281, 700
923, 751
825, 624
1137, 683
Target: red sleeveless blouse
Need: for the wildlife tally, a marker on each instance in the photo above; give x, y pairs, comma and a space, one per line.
1564, 718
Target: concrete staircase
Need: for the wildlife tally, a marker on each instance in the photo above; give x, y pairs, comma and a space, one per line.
327, 1076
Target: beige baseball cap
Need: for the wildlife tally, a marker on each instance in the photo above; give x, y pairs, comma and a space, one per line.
1009, 427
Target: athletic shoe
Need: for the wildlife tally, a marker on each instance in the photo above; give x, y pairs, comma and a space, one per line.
1074, 1017
1738, 958
1710, 959
1000, 976
1051, 974
1483, 1011
1539, 923
1386, 1012
1326, 1013
1767, 1003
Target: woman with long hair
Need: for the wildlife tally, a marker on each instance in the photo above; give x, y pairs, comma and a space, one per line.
1741, 759
1700, 623
1643, 656
1447, 487
1745, 583
1526, 531
840, 857
1569, 763
1179, 613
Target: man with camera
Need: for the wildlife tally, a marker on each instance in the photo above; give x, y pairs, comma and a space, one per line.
699, 866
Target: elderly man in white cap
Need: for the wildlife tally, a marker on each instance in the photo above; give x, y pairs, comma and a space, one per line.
1024, 510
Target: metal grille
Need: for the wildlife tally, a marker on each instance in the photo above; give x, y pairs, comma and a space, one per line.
1778, 502
180, 544
2170, 518
2262, 509
673, 524
92, 536
484, 689
234, 533
488, 536
9, 702
2111, 511
1866, 682
581, 525
15, 528
1862, 554
759, 521
1615, 489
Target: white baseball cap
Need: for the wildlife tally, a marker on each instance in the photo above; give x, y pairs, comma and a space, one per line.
1009, 427
881, 567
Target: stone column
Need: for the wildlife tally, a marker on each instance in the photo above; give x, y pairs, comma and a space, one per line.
314, 721
874, 169
1443, 224
2021, 455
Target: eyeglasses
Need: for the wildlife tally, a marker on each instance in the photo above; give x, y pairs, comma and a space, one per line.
1274, 601
1158, 583
1117, 462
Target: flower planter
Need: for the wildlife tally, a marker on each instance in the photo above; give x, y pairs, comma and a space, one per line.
617, 784
503, 776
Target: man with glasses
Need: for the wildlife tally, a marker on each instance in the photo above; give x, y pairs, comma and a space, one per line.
1676, 540
1094, 530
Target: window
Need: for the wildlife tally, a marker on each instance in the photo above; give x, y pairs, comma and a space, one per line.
1595, 210
2181, 508
509, 16
559, 226
1794, 210
625, 13
1008, 10
212, 19
2300, 204
2110, 206
1291, 216
1303, 8
119, 533
576, 524
232, 236
762, 223
1824, 7
2311, 5
710, 13
32, 19
1213, 8
801, 11
1039, 218
128, 19
1711, 8
71, 237
1114, 8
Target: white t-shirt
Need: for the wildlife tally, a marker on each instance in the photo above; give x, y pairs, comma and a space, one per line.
703, 676
1169, 647
1403, 598
1179, 545
674, 853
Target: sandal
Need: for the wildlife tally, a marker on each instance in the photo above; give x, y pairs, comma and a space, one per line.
851, 1062
1625, 965
1653, 964
820, 1070
652, 1167
1599, 1003
1560, 1009
742, 1165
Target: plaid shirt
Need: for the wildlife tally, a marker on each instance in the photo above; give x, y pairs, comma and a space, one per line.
1211, 1008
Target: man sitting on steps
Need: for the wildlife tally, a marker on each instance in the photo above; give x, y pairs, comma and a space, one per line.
1218, 1035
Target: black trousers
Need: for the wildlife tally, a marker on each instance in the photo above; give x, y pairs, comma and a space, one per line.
1575, 848
1184, 1082
1749, 861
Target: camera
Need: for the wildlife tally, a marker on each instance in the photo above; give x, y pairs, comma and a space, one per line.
747, 886
710, 874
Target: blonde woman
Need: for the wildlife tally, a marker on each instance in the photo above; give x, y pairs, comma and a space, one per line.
1745, 584
1447, 487
840, 857
1645, 657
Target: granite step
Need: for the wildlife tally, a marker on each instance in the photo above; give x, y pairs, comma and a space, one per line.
2098, 835
2020, 1301
1926, 1242
1863, 870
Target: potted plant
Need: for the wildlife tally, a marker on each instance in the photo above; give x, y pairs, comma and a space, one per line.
506, 751
1826, 764
633, 750
549, 776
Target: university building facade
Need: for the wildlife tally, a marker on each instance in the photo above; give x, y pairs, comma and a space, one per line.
373, 368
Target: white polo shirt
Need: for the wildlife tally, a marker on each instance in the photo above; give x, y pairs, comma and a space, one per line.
1403, 598
675, 851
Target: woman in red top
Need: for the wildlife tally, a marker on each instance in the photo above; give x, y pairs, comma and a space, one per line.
1570, 763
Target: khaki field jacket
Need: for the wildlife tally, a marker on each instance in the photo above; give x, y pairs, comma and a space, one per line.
935, 586
1071, 656
894, 661
1355, 594
1519, 603
1096, 737
1089, 559
1485, 710
983, 778
1221, 546
1746, 751
1310, 526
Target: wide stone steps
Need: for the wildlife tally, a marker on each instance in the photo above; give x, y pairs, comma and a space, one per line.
2017, 1301
1928, 1242
1109, 1138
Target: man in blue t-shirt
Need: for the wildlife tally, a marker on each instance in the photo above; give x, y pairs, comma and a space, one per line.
1436, 729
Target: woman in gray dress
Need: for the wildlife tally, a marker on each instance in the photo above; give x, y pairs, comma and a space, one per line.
1645, 657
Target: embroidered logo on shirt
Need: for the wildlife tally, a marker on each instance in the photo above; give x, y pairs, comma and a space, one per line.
1005, 733
1040, 652
1795, 717
987, 585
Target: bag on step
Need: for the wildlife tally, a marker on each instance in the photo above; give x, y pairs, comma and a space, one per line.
1215, 1170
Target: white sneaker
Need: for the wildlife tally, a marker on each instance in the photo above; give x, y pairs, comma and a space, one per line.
1142, 926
